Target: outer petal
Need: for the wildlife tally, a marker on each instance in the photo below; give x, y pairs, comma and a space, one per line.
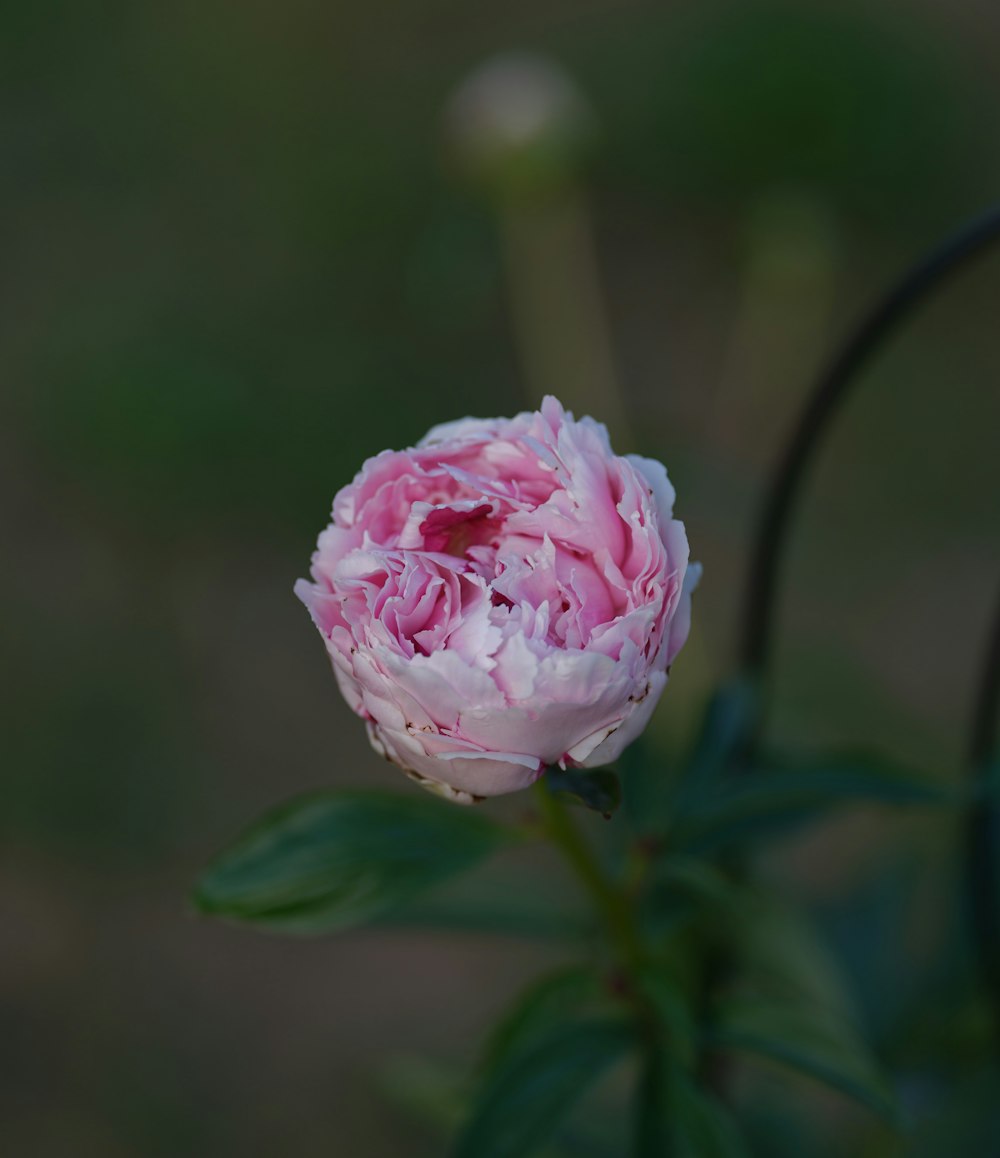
655, 474
680, 625
616, 740
462, 768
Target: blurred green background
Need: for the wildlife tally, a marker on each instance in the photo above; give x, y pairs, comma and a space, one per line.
239, 257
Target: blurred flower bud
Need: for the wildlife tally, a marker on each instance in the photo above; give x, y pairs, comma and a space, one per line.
518, 124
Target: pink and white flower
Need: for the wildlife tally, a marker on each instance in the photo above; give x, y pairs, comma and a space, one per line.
507, 595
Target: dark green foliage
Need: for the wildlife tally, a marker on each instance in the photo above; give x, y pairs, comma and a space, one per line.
597, 789
677, 1119
525, 1098
807, 1039
792, 1004
336, 859
772, 798
547, 1003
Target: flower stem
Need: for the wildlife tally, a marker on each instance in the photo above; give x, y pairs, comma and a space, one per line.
609, 901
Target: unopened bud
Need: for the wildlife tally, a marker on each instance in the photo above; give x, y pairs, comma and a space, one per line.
519, 123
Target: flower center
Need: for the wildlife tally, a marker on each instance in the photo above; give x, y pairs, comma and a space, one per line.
452, 532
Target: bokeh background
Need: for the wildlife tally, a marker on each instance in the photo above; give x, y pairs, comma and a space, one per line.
242, 253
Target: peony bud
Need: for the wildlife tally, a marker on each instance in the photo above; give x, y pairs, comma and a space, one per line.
519, 124
507, 595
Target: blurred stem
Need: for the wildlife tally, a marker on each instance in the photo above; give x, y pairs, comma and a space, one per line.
782, 316
827, 396
983, 828
557, 306
612, 904
615, 908
651, 1139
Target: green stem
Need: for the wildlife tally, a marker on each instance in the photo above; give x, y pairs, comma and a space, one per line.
613, 906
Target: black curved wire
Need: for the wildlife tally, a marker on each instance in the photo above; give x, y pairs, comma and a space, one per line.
983, 741
982, 860
828, 395
982, 846
982, 849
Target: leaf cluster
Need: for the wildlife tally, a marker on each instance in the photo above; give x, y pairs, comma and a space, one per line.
700, 967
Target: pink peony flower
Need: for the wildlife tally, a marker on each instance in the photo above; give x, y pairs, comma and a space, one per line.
508, 594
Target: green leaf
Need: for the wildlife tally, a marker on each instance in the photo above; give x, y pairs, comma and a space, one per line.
782, 955
647, 786
795, 1007
763, 801
703, 1126
808, 1040
526, 1098
336, 859
730, 720
683, 889
548, 1002
698, 879
597, 789
678, 1120
728, 726
654, 1127
660, 986
655, 793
